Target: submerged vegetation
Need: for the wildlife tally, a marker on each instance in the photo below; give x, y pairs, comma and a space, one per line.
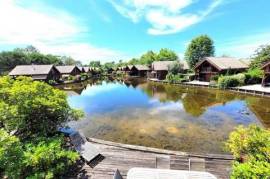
30, 146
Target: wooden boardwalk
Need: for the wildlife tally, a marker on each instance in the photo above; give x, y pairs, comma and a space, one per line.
124, 157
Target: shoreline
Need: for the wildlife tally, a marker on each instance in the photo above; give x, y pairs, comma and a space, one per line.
159, 151
233, 89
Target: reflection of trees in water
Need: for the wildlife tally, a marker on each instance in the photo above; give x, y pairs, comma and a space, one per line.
195, 100
261, 108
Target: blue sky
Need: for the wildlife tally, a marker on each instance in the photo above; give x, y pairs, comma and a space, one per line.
109, 30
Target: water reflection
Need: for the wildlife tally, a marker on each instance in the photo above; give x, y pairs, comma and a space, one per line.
164, 116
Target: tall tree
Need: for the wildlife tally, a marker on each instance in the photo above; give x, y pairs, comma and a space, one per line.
148, 58
166, 55
70, 61
200, 47
262, 54
95, 64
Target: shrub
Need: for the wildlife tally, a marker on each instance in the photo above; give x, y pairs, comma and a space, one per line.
254, 76
231, 81
171, 78
33, 108
214, 78
11, 155
251, 148
46, 158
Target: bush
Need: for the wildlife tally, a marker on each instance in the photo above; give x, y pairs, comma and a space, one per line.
254, 76
251, 148
214, 78
46, 158
171, 78
33, 108
11, 155
40, 158
231, 81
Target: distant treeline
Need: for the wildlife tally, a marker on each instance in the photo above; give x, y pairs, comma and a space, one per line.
30, 55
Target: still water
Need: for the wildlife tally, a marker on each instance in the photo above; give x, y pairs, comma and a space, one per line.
164, 116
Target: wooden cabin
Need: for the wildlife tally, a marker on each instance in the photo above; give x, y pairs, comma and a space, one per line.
86, 69
212, 66
160, 69
139, 70
37, 72
266, 76
71, 70
82, 69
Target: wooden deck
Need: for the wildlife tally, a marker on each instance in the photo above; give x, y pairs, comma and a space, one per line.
124, 157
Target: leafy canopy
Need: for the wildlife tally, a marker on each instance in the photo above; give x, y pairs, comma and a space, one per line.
262, 55
166, 55
32, 108
200, 47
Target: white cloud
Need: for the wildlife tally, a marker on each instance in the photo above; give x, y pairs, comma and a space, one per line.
165, 16
50, 30
245, 46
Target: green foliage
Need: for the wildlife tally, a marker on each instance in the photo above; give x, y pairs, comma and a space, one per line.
27, 56
33, 108
261, 56
11, 155
251, 147
214, 78
200, 47
254, 76
175, 68
148, 58
40, 158
171, 78
251, 169
231, 81
70, 61
166, 55
46, 158
95, 64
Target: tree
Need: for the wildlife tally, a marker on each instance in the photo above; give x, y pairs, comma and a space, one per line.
30, 146
32, 108
166, 55
262, 55
134, 61
11, 155
175, 68
148, 58
95, 64
200, 47
70, 61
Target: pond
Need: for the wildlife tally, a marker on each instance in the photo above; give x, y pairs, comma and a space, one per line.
164, 116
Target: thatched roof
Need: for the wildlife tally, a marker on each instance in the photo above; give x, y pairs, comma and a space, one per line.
66, 69
141, 67
29, 70
225, 63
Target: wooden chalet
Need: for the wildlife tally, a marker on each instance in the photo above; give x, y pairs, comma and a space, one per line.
139, 70
161, 68
266, 77
82, 69
71, 70
211, 66
37, 72
86, 69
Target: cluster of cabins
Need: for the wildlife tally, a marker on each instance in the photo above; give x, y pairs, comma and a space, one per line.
204, 70
50, 72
